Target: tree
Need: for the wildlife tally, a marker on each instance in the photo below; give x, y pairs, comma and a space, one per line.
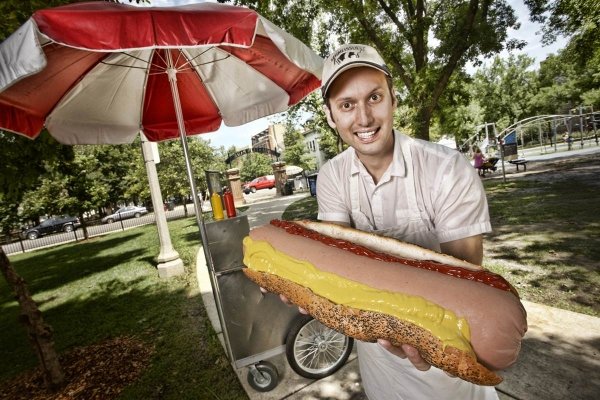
505, 89
557, 91
172, 171
577, 19
121, 168
254, 165
460, 110
296, 150
423, 42
21, 158
38, 332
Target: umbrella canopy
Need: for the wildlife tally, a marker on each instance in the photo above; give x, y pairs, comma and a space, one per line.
293, 170
100, 72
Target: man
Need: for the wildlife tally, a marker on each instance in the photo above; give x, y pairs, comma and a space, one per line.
391, 184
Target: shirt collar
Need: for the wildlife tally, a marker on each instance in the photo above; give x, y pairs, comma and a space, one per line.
397, 168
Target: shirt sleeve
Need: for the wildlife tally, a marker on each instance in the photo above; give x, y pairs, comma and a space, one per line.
330, 194
461, 203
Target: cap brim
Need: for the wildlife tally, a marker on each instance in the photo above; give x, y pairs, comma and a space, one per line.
351, 65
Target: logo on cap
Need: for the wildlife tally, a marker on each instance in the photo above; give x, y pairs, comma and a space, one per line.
347, 53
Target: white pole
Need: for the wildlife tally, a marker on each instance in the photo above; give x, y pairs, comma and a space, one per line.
169, 263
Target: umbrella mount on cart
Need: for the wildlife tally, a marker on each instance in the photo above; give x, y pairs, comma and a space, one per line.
257, 327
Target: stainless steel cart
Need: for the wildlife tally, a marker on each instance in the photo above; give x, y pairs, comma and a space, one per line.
257, 327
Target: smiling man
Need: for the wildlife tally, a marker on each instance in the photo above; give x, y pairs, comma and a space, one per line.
391, 184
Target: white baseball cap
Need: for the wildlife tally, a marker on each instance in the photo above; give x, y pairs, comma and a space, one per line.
350, 56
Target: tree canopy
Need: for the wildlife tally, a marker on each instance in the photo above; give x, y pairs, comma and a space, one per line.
423, 42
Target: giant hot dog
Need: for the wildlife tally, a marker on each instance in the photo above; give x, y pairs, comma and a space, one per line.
464, 320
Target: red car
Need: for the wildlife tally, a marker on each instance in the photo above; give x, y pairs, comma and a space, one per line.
262, 182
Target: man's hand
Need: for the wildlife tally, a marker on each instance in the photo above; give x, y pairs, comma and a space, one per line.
286, 301
406, 351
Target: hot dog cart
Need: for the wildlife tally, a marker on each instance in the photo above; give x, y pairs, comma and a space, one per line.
258, 326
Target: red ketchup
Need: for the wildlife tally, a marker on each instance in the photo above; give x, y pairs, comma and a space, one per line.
229, 204
483, 276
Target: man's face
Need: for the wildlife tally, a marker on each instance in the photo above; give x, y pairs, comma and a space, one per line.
362, 110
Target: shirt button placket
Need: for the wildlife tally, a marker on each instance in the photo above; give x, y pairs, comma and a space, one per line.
377, 207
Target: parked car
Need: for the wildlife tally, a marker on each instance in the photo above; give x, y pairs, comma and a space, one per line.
262, 182
64, 223
125, 213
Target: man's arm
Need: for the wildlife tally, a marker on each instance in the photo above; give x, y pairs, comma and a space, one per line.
469, 249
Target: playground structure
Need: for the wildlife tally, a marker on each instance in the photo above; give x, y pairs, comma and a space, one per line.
539, 134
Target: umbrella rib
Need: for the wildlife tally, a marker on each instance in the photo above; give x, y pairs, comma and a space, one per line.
189, 62
208, 62
121, 65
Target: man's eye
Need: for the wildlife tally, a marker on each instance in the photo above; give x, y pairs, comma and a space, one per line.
376, 97
346, 106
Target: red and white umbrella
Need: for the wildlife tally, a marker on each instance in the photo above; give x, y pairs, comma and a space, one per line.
101, 72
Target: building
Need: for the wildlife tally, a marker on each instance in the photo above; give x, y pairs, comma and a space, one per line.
271, 138
311, 138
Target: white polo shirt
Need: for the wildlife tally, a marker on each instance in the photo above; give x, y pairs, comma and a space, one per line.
429, 195
449, 194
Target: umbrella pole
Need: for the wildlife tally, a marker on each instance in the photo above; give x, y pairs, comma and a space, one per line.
172, 73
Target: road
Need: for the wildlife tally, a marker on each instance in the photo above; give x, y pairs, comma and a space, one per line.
23, 245
265, 206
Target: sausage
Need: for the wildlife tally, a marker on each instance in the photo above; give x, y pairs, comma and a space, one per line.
465, 327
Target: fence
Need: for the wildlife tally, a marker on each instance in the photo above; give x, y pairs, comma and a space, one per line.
15, 243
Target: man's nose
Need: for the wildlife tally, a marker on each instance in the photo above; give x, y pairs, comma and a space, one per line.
364, 115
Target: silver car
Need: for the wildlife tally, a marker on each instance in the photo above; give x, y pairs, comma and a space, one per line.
124, 213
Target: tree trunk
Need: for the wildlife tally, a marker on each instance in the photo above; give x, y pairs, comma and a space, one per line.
83, 226
422, 122
38, 332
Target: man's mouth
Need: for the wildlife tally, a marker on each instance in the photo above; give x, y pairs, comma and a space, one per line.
367, 135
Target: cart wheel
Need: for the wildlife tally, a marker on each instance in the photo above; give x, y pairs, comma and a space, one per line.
315, 351
263, 376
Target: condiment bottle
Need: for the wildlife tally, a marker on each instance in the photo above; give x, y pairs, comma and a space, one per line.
217, 206
229, 204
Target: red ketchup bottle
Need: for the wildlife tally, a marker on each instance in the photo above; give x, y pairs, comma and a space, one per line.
229, 204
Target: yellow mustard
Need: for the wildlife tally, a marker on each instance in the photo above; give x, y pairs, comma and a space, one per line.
444, 324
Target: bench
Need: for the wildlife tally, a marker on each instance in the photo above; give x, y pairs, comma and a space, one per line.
519, 161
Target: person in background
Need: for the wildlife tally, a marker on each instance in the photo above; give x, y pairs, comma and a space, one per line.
391, 184
478, 160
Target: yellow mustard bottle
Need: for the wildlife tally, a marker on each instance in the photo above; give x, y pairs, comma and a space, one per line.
217, 206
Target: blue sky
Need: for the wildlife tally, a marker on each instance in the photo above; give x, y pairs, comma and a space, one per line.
240, 136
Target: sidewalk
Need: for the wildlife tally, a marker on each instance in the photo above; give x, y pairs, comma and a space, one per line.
560, 359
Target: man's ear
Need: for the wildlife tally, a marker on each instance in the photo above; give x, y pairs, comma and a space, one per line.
330, 120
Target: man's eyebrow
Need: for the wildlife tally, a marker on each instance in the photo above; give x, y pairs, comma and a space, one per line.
349, 98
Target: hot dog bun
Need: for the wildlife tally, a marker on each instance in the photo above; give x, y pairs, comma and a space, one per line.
385, 244
466, 328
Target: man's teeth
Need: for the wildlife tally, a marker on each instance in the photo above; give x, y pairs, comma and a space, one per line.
365, 135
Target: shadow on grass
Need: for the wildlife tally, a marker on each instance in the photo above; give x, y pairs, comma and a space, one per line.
109, 286
187, 360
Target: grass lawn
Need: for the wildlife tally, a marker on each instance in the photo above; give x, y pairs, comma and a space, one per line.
546, 240
109, 287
